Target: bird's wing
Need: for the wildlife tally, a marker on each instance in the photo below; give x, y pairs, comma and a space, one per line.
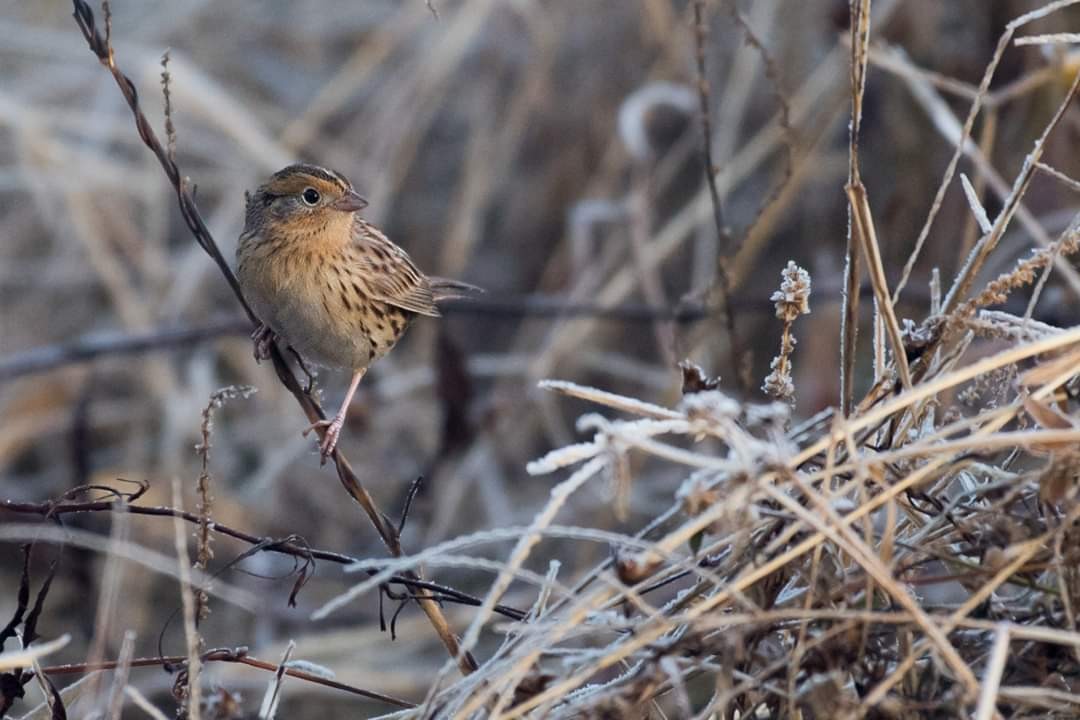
390, 273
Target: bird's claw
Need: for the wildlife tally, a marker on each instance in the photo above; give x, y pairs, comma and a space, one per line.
264, 338
331, 432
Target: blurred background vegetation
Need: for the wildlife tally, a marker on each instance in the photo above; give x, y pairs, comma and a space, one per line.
547, 151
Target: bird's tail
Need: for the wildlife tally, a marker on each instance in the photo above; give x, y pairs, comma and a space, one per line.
445, 289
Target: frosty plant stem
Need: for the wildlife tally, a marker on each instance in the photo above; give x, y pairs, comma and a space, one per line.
791, 300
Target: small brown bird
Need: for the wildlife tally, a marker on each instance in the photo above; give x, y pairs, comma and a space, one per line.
327, 282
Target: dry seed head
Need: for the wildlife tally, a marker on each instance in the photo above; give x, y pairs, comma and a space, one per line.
793, 297
1024, 273
791, 300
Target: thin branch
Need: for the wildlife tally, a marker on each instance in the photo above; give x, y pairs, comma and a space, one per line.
701, 31
228, 655
981, 251
859, 11
191, 699
119, 344
723, 236
863, 229
292, 545
981, 96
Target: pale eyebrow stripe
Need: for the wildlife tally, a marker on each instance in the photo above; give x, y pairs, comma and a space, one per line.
315, 171
345, 184
328, 175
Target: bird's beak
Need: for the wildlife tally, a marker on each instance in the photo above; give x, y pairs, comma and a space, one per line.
349, 202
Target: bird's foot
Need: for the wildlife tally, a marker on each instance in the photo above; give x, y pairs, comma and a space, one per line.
264, 338
331, 432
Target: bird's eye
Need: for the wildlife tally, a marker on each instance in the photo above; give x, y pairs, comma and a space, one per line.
310, 196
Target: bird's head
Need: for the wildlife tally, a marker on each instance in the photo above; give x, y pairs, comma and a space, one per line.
302, 198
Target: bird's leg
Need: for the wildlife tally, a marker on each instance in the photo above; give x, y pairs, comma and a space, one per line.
332, 428
263, 338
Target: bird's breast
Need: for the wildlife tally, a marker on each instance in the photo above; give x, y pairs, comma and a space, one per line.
316, 301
